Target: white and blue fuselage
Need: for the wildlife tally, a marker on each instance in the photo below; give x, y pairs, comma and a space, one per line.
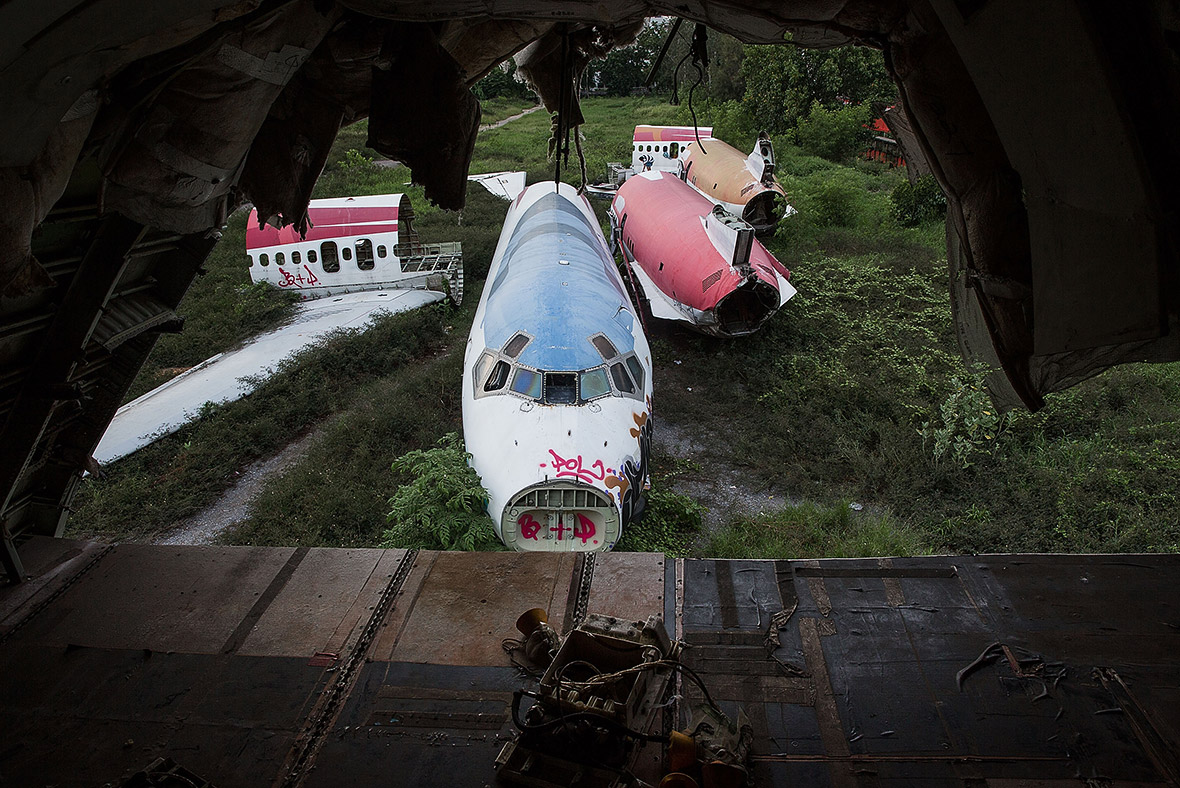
557, 381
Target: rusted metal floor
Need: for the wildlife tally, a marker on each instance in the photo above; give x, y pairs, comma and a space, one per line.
279, 666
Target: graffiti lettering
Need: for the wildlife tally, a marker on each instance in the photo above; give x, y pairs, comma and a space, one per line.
585, 528
573, 467
529, 528
298, 279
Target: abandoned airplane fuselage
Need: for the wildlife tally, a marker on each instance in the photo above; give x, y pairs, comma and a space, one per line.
696, 262
557, 381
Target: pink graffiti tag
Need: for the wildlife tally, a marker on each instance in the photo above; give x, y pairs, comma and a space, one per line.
573, 467
585, 529
298, 279
529, 528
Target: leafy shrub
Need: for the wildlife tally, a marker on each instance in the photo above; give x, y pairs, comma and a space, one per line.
669, 524
971, 424
443, 507
915, 203
835, 134
831, 200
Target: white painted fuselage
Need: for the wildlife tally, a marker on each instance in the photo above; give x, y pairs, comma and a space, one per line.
557, 382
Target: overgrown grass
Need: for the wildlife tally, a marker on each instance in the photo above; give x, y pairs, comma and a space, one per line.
182, 473
825, 405
814, 531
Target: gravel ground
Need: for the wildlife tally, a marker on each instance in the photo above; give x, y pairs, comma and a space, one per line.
205, 526
725, 490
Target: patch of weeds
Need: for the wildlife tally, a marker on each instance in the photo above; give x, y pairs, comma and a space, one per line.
969, 424
669, 524
813, 531
442, 506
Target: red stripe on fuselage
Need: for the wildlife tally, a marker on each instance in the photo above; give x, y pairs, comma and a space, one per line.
267, 236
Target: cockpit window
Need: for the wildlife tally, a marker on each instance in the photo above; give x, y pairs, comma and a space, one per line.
622, 380
515, 345
498, 378
527, 382
603, 346
561, 388
594, 383
636, 370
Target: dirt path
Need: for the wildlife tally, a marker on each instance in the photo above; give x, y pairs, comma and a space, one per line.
232, 508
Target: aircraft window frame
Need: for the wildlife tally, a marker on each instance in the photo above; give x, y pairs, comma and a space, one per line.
598, 340
585, 394
526, 381
381, 251
280, 258
514, 346
330, 262
296, 258
311, 256
346, 253
636, 369
264, 259
497, 379
622, 379
553, 394
364, 255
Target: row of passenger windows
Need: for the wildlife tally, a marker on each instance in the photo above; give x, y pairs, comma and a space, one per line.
672, 150
330, 255
496, 373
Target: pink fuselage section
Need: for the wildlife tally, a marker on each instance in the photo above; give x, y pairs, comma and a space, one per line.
663, 233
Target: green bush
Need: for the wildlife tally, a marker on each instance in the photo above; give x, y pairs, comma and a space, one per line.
835, 134
669, 524
919, 202
971, 424
831, 200
443, 507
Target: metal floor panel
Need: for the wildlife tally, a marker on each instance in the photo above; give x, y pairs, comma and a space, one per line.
297, 667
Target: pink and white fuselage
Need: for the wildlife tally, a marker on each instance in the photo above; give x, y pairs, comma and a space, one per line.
695, 262
557, 382
352, 244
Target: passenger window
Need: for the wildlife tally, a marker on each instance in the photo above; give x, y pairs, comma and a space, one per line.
296, 258
674, 149
311, 255
264, 259
603, 345
594, 383
280, 259
636, 370
561, 388
498, 378
346, 252
515, 345
622, 382
527, 382
249, 261
331, 262
381, 250
364, 255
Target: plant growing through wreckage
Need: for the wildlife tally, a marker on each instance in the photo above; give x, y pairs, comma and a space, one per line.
443, 507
